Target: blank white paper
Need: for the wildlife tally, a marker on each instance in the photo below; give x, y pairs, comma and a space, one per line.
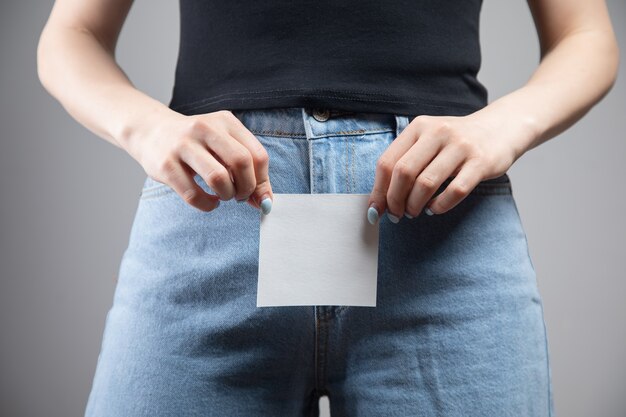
317, 249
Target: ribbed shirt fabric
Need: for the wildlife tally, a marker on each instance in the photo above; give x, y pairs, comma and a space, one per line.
393, 56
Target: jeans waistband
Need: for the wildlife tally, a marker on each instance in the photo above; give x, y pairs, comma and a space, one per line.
312, 123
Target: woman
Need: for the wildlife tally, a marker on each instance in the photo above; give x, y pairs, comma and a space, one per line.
327, 97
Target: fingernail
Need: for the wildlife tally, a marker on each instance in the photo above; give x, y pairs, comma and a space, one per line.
394, 219
428, 211
218, 204
242, 200
407, 215
372, 214
266, 206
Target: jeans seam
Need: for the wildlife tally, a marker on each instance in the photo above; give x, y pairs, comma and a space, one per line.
352, 164
278, 133
321, 349
155, 191
358, 132
347, 166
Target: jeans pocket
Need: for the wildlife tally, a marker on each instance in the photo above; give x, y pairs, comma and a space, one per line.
154, 189
498, 185
494, 186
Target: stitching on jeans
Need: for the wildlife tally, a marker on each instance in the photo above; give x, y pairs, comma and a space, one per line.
347, 165
325, 363
317, 333
278, 133
348, 133
359, 132
209, 100
312, 167
353, 165
156, 191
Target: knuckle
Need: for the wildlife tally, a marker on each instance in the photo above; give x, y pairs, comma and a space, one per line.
403, 170
261, 156
218, 176
394, 202
481, 156
225, 113
426, 182
384, 165
444, 129
411, 210
459, 189
250, 190
211, 137
479, 161
167, 166
241, 159
196, 126
181, 146
479, 167
463, 143
421, 119
191, 196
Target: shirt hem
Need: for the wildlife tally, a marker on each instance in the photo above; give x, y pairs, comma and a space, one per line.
337, 99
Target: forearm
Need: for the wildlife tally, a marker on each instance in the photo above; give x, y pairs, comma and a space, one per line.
569, 81
81, 73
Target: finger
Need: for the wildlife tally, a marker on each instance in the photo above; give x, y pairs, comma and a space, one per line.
260, 158
181, 180
235, 157
444, 165
408, 167
384, 170
198, 158
460, 187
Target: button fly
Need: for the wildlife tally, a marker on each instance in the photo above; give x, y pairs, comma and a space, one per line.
321, 115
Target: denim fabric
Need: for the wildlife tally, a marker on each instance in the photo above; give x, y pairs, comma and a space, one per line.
458, 329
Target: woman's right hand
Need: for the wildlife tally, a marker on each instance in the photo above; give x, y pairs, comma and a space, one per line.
76, 64
217, 146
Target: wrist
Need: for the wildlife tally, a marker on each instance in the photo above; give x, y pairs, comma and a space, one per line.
515, 117
138, 122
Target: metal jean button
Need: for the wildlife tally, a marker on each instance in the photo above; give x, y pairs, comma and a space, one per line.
321, 115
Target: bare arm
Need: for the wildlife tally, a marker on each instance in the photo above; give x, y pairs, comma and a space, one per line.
579, 62
76, 64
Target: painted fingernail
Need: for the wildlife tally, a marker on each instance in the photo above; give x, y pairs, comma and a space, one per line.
266, 205
372, 215
428, 211
394, 219
407, 215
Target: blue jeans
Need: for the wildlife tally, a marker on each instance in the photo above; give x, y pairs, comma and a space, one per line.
458, 329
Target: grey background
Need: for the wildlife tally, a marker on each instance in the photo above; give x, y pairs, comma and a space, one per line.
68, 200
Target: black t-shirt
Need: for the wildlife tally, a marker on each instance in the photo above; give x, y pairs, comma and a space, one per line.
394, 56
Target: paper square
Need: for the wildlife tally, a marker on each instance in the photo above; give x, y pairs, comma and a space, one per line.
318, 249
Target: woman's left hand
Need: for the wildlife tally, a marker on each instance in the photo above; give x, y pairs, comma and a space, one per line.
431, 149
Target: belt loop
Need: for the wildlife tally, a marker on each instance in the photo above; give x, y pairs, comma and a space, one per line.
401, 123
